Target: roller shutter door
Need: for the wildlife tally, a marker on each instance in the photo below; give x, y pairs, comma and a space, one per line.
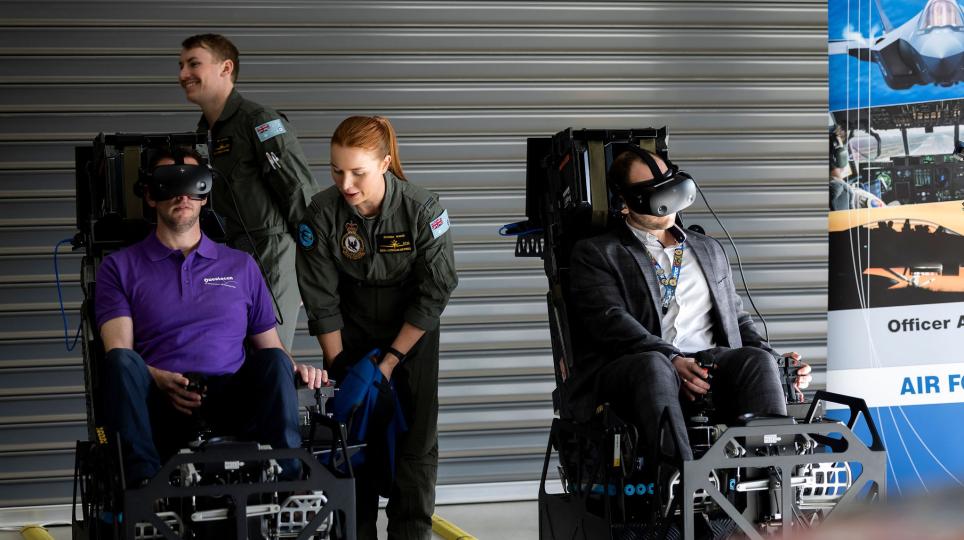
742, 86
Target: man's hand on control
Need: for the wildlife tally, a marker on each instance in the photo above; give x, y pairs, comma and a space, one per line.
311, 376
175, 386
803, 372
693, 377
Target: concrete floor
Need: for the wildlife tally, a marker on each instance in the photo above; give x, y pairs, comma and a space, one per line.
489, 521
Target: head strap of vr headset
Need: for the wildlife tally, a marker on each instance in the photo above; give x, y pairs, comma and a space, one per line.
650, 162
199, 183
668, 192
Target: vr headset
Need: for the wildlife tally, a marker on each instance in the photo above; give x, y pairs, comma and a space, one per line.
168, 181
115, 170
667, 193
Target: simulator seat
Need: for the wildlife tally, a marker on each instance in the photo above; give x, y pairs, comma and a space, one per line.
217, 487
610, 487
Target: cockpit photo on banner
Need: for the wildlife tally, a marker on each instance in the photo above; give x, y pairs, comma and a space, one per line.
896, 229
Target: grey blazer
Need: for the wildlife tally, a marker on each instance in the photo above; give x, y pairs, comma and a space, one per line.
614, 301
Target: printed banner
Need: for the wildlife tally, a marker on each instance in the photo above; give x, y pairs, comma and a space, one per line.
896, 229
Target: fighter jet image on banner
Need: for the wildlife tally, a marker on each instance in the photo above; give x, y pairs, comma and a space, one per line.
927, 49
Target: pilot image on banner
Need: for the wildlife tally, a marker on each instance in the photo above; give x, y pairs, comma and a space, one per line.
844, 195
896, 270
376, 268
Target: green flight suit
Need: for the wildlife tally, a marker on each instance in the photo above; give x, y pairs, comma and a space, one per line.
266, 187
366, 277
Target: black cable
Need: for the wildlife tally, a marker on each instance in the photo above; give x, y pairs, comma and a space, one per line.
766, 331
279, 319
60, 298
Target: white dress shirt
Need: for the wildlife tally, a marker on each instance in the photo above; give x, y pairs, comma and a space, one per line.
687, 323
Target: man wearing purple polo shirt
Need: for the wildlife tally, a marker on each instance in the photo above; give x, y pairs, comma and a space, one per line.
178, 303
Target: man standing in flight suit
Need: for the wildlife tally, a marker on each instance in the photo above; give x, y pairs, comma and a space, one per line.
266, 184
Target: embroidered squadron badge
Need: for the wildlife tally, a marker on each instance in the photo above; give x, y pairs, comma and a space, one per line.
352, 246
306, 237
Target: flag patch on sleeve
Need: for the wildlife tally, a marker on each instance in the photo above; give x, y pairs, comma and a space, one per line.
270, 129
440, 224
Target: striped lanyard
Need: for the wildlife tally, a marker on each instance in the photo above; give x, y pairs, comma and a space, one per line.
668, 283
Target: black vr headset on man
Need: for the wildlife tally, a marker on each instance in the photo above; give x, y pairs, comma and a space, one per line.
569, 193
113, 171
667, 193
168, 181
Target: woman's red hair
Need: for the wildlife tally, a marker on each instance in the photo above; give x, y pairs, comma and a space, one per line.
373, 133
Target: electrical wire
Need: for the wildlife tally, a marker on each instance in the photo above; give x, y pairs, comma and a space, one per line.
739, 263
60, 299
279, 319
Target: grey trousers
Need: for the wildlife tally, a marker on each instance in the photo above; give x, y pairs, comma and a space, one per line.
639, 387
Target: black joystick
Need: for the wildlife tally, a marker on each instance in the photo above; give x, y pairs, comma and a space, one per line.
701, 431
788, 372
197, 383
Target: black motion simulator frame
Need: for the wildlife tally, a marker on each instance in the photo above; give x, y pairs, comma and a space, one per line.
764, 476
217, 488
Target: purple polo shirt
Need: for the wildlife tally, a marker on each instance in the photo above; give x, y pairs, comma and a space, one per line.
190, 313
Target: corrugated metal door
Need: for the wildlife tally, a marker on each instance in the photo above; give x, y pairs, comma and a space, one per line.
740, 84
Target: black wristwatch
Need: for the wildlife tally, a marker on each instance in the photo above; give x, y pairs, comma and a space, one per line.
398, 354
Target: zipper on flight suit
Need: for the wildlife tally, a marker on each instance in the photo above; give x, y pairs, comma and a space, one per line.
369, 234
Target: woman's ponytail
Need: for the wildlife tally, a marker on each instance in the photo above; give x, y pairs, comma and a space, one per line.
373, 133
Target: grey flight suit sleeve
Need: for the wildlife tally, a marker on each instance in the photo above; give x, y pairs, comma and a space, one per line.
318, 276
284, 165
434, 269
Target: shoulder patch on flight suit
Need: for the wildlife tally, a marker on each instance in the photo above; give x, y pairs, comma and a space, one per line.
270, 129
440, 224
399, 242
306, 237
352, 245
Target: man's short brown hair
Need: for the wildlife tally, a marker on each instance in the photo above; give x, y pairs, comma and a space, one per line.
618, 176
165, 153
220, 46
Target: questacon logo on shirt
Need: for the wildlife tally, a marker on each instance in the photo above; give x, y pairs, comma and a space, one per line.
221, 281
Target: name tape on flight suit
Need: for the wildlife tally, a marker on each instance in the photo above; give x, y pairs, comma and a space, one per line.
440, 224
221, 146
270, 129
400, 242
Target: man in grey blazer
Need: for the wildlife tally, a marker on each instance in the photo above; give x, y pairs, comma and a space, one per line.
646, 298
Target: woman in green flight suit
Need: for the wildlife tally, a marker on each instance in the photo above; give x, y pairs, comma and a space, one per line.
376, 269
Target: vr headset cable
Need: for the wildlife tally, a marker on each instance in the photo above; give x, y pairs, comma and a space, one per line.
279, 319
739, 262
